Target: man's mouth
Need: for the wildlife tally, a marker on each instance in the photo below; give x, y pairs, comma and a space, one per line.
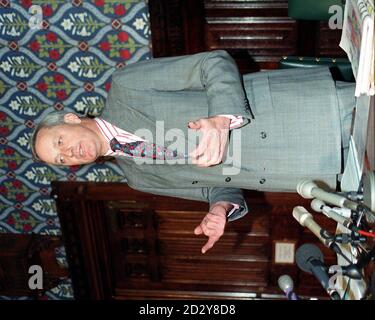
81, 151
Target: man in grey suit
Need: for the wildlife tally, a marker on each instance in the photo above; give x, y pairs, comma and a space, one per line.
263, 131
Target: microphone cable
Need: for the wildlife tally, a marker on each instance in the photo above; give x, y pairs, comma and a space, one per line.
333, 245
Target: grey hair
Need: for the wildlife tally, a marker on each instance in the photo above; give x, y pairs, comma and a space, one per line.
52, 119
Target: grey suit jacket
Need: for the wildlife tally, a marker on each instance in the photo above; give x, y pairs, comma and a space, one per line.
291, 126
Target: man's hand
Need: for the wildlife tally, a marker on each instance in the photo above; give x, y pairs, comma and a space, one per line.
213, 224
214, 140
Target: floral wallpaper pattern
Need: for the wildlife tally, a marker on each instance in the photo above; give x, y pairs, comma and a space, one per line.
54, 55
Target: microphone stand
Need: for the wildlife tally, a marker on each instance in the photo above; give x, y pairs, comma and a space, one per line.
364, 260
353, 271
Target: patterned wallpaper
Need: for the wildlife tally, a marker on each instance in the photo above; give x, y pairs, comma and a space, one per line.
57, 54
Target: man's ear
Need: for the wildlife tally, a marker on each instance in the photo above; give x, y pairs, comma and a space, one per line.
72, 118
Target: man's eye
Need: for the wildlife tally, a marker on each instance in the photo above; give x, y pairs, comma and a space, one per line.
59, 142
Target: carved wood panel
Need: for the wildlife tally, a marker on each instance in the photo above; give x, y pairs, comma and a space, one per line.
20, 251
124, 244
258, 33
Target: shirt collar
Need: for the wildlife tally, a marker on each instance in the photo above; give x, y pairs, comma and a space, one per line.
108, 131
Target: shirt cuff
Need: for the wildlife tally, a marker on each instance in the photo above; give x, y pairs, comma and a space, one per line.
235, 207
235, 121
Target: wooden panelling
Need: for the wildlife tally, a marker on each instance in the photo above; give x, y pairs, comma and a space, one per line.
177, 27
18, 252
257, 33
248, 250
328, 42
260, 28
246, 9
121, 243
259, 36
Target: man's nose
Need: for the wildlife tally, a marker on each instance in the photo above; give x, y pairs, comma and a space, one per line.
67, 151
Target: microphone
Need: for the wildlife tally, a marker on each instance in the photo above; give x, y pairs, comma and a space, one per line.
285, 283
305, 219
308, 190
319, 206
310, 259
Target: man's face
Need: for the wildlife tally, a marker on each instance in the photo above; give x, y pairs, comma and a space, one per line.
68, 144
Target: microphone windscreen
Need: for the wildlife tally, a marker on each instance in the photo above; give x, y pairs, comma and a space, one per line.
305, 254
285, 283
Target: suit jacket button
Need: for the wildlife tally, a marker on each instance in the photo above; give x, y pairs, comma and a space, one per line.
227, 179
194, 182
262, 181
263, 135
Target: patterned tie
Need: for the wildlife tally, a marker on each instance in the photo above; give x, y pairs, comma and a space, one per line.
142, 149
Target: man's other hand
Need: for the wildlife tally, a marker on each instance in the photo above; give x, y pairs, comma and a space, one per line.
213, 224
212, 147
